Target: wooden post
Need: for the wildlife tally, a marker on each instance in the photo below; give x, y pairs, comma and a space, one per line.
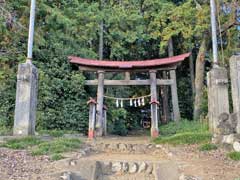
218, 102
166, 113
100, 93
235, 85
127, 76
92, 118
154, 103
104, 120
176, 112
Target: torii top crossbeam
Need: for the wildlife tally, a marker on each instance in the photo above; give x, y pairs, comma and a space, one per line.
94, 65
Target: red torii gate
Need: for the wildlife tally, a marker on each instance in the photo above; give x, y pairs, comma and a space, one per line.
97, 127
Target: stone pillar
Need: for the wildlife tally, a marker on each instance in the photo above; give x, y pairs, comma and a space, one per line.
105, 120
26, 100
235, 85
175, 104
154, 104
92, 118
100, 94
218, 101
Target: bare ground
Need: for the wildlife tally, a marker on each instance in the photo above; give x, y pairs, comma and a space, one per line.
211, 165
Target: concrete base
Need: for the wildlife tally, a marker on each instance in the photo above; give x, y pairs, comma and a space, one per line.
26, 100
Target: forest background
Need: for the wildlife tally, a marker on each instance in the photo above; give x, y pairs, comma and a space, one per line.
116, 30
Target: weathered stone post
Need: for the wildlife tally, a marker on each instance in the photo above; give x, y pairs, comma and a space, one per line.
100, 94
218, 101
176, 112
26, 100
26, 95
154, 104
92, 118
235, 85
105, 120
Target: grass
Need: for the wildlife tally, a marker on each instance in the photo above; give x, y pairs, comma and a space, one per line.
56, 133
184, 126
208, 147
184, 138
22, 143
234, 156
184, 132
56, 146
37, 147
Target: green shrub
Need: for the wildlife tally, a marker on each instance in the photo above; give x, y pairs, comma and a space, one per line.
56, 157
184, 126
5, 131
56, 146
22, 143
184, 138
234, 156
119, 122
208, 147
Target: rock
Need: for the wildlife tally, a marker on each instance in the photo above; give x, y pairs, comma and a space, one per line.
149, 169
229, 139
139, 148
122, 147
150, 146
113, 147
72, 162
236, 146
66, 176
116, 167
182, 177
159, 146
125, 167
129, 147
133, 168
106, 167
170, 154
142, 167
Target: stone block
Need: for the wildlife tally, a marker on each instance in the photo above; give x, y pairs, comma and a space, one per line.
218, 101
234, 64
26, 100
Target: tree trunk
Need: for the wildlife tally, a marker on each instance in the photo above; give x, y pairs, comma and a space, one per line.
101, 41
191, 67
166, 111
199, 77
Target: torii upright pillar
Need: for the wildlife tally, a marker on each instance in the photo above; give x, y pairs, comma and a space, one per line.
100, 94
175, 104
154, 104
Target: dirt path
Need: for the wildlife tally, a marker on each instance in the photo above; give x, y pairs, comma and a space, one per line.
190, 161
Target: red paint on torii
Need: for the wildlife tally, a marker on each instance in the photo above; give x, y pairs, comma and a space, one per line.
128, 64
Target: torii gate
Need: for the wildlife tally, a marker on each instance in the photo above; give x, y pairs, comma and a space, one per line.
97, 127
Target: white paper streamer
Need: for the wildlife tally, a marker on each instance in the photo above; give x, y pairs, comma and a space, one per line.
139, 102
143, 101
117, 103
121, 103
135, 103
131, 102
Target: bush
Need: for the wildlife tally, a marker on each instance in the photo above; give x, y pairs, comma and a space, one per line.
5, 131
119, 122
208, 147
